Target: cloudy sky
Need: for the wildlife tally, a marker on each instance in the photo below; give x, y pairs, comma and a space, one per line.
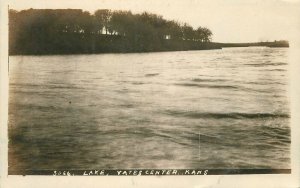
229, 20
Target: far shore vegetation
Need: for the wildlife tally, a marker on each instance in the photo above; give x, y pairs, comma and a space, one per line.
73, 31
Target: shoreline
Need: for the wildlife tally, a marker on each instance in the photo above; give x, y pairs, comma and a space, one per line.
200, 46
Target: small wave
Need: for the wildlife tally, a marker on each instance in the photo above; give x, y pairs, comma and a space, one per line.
151, 75
40, 107
49, 86
234, 115
280, 70
127, 106
230, 87
24, 85
264, 64
265, 83
63, 87
207, 80
207, 86
137, 83
125, 90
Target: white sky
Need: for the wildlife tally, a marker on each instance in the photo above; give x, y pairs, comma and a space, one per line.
229, 20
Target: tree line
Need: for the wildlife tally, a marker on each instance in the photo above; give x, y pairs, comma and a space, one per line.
39, 31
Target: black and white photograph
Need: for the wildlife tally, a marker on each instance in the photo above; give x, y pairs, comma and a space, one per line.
150, 88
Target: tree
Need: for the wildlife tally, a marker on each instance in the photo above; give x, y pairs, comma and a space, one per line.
121, 21
203, 34
174, 30
102, 18
86, 23
37, 31
188, 32
207, 34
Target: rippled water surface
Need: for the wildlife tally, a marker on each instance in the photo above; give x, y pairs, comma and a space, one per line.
193, 109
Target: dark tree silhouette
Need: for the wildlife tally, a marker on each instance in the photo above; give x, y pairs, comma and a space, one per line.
103, 17
61, 31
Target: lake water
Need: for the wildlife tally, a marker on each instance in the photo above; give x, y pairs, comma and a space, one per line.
190, 109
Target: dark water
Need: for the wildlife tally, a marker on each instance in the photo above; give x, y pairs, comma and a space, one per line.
197, 109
